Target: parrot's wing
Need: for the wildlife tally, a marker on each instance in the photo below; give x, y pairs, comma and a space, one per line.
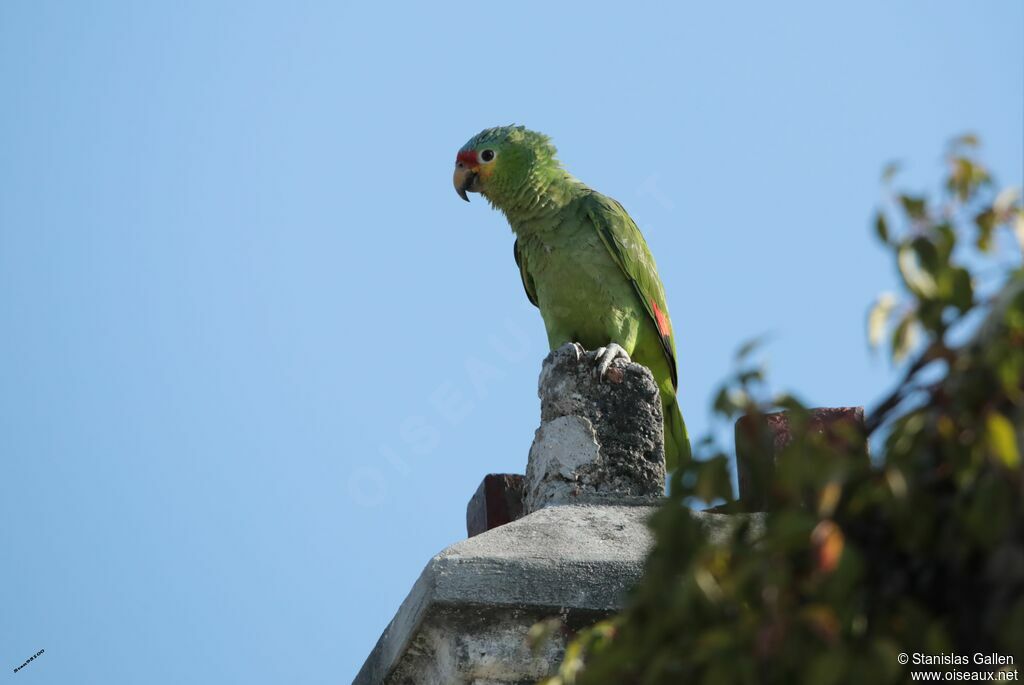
528, 286
627, 246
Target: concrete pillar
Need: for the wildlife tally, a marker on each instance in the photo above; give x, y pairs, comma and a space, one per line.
600, 441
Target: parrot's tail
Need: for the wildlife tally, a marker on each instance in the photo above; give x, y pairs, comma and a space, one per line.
677, 442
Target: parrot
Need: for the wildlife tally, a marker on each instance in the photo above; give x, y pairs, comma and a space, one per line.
582, 260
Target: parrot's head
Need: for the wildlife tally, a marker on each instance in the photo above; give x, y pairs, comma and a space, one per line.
499, 162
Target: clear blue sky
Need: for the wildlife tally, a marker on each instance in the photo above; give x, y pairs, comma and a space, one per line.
256, 355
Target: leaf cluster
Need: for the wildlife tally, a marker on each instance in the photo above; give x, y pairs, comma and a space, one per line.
918, 549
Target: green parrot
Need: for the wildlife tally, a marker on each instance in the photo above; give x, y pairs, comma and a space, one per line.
582, 260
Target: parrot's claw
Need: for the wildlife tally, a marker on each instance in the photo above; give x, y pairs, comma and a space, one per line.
604, 356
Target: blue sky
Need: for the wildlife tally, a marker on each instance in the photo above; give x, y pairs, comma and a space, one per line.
256, 355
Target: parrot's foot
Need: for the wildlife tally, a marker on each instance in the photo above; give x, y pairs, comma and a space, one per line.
604, 356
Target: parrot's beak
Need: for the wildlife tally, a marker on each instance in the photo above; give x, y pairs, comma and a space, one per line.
465, 179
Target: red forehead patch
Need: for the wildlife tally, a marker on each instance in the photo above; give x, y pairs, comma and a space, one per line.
467, 157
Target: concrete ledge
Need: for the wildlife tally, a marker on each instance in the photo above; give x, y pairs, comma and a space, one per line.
466, 618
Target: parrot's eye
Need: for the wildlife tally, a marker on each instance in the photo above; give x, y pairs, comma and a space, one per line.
487, 155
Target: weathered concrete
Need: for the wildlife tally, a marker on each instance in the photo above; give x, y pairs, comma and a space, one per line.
467, 616
595, 474
599, 441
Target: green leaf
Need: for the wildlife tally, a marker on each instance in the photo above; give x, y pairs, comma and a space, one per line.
713, 480
878, 317
1002, 439
723, 403
920, 282
750, 346
963, 289
915, 207
927, 253
751, 375
986, 223
904, 337
966, 177
945, 240
881, 227
789, 402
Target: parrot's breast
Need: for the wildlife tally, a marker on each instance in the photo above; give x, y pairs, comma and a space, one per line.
583, 295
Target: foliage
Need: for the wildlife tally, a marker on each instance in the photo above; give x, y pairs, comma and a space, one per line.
919, 549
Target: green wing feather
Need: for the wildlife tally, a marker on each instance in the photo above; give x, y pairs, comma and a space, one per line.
629, 250
528, 286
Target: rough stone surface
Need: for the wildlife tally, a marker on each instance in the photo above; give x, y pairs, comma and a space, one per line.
599, 441
466, 619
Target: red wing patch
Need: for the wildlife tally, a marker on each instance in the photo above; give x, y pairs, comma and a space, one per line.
661, 319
